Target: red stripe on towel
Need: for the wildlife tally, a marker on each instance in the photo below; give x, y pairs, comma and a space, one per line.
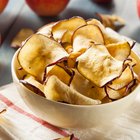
42, 122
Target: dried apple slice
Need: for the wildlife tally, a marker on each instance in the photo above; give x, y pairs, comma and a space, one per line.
2, 108
111, 36
120, 50
31, 83
67, 47
87, 88
86, 34
112, 21
97, 65
38, 52
66, 38
20, 37
58, 91
31, 79
46, 30
73, 56
106, 99
115, 94
97, 23
69, 25
61, 73
125, 78
130, 61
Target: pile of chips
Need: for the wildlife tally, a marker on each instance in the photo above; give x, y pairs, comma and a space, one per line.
77, 62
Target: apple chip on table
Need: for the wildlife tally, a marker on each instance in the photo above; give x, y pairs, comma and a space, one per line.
78, 62
2, 108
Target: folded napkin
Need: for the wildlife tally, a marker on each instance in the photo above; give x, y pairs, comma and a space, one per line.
19, 123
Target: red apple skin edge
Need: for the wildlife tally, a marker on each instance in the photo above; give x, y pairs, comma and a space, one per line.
47, 7
3, 4
138, 7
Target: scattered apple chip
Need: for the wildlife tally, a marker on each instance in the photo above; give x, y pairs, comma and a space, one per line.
20, 37
84, 36
38, 52
97, 65
112, 21
58, 91
2, 108
125, 78
120, 50
69, 25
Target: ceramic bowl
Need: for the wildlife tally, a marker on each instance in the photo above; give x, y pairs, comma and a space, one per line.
72, 116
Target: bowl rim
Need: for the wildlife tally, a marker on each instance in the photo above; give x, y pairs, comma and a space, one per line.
14, 76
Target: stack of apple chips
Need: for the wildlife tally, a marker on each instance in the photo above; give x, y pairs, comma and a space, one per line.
77, 62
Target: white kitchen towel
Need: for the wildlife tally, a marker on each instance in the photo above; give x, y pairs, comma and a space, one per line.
19, 123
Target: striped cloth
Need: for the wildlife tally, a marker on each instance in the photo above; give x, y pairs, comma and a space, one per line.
19, 123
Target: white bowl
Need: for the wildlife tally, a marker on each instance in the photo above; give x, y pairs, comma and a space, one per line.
72, 116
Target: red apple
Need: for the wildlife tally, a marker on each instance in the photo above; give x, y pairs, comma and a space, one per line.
138, 7
47, 7
3, 4
102, 1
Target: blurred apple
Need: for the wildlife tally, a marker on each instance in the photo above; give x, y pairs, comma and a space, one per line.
3, 4
102, 1
138, 7
47, 7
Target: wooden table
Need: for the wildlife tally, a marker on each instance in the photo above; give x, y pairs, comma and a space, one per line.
18, 15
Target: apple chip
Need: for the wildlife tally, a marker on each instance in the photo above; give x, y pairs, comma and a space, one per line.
20, 37
112, 21
46, 30
125, 78
67, 47
84, 36
97, 65
66, 38
97, 23
87, 88
120, 50
69, 25
73, 56
2, 108
115, 94
111, 36
61, 73
31, 79
58, 91
38, 52
106, 99
130, 61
